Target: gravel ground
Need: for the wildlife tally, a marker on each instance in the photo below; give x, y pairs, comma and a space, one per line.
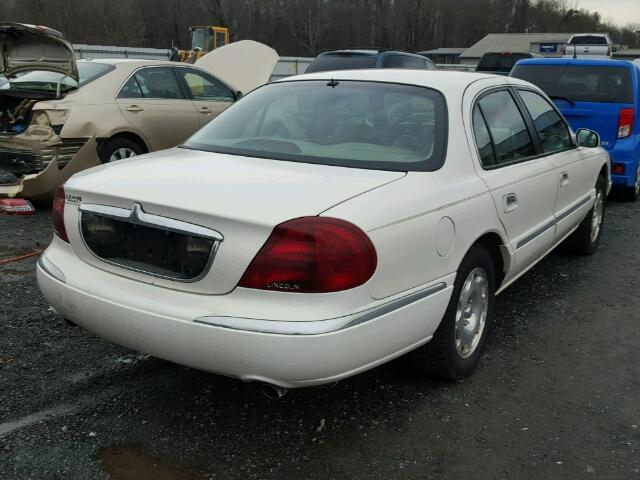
556, 396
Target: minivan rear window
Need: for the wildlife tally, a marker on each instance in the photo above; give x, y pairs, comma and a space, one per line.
358, 124
342, 61
499, 62
580, 83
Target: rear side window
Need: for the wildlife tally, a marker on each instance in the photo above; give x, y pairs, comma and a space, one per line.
507, 128
158, 82
588, 40
552, 129
483, 138
342, 61
579, 83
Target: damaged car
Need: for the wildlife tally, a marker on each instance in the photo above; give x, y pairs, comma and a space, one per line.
59, 116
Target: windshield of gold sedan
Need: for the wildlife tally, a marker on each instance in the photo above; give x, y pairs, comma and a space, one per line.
358, 124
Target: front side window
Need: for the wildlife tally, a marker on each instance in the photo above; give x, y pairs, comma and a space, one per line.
156, 82
205, 87
508, 130
552, 129
345, 123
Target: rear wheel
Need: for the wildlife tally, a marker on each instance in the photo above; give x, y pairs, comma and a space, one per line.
457, 345
119, 148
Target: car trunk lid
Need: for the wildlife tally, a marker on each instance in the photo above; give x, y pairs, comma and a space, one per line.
241, 198
25, 48
243, 65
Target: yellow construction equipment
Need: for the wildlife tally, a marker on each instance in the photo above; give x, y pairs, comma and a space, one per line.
204, 38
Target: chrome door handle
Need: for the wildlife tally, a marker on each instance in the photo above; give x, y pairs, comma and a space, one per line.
510, 202
564, 179
134, 108
204, 110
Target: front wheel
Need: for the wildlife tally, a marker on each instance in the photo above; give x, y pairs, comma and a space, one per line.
586, 239
457, 344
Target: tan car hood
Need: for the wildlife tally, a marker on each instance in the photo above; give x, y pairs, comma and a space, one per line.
25, 48
243, 65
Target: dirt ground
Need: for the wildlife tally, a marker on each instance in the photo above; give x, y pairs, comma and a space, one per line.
556, 396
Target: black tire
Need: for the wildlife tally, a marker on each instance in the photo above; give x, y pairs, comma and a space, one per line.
582, 241
7, 178
440, 357
630, 194
111, 146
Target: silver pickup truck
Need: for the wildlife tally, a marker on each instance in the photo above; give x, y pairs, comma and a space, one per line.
592, 45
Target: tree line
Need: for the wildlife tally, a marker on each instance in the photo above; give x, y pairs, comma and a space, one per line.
307, 27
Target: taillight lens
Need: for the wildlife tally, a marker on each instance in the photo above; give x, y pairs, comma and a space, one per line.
312, 255
618, 168
58, 215
625, 122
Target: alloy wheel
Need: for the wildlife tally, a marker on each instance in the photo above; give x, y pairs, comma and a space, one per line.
471, 314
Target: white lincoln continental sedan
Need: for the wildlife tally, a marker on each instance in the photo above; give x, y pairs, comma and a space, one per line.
326, 224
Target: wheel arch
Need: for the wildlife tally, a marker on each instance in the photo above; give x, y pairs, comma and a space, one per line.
500, 255
130, 136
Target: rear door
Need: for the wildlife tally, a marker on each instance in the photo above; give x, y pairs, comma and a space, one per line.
154, 103
575, 178
209, 95
589, 96
522, 183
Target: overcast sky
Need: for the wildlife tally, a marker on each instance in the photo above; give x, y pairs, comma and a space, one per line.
621, 11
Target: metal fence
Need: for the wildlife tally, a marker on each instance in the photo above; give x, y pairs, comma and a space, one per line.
99, 51
285, 67
288, 66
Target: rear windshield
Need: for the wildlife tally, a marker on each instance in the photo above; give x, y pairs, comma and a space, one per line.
588, 40
580, 83
342, 61
369, 125
48, 81
497, 62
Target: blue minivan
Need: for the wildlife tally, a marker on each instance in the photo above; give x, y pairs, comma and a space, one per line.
599, 94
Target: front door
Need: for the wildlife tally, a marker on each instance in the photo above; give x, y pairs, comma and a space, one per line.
522, 184
153, 102
574, 179
209, 95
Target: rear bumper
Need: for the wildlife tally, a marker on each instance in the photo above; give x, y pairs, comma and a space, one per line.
627, 153
284, 353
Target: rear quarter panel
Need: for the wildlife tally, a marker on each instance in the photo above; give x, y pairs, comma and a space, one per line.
423, 225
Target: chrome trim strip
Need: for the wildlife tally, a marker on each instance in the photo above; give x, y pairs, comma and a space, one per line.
554, 222
532, 236
50, 269
319, 327
572, 209
137, 216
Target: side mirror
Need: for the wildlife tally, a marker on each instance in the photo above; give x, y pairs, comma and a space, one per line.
238, 95
587, 138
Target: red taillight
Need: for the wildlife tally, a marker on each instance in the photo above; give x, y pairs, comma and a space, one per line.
625, 122
618, 169
312, 255
58, 215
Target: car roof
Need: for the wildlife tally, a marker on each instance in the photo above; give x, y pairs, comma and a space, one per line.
595, 62
366, 51
442, 80
137, 61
